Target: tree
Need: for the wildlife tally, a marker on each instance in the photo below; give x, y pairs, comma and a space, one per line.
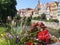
43, 16
59, 31
28, 20
7, 8
17, 17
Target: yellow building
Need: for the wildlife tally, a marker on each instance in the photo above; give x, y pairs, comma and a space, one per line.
53, 10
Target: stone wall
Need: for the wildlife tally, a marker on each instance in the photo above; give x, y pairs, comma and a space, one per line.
52, 25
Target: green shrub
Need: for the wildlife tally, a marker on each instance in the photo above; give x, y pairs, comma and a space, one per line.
37, 18
28, 21
59, 31
43, 16
55, 20
17, 17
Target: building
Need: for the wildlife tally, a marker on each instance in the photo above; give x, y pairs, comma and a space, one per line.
48, 12
53, 10
21, 12
37, 8
59, 12
29, 12
50, 9
25, 12
40, 8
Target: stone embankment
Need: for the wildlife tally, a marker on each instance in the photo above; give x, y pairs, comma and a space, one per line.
52, 25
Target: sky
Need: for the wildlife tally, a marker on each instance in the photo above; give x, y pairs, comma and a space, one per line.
22, 4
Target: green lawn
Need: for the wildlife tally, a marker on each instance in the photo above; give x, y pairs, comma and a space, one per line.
3, 41
2, 29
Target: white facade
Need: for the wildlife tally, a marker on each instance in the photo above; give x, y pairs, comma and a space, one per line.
48, 13
59, 12
43, 9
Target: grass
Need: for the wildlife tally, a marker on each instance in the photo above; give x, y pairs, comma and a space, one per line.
2, 29
3, 41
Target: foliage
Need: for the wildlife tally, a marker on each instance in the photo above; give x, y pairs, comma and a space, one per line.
37, 18
43, 16
2, 29
55, 20
8, 27
28, 20
3, 41
59, 31
17, 17
7, 8
52, 20
7, 40
25, 36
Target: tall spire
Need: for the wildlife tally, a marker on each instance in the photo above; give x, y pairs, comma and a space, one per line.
38, 1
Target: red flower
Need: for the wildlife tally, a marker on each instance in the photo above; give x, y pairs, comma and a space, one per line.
33, 24
30, 43
46, 32
47, 35
44, 36
41, 36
